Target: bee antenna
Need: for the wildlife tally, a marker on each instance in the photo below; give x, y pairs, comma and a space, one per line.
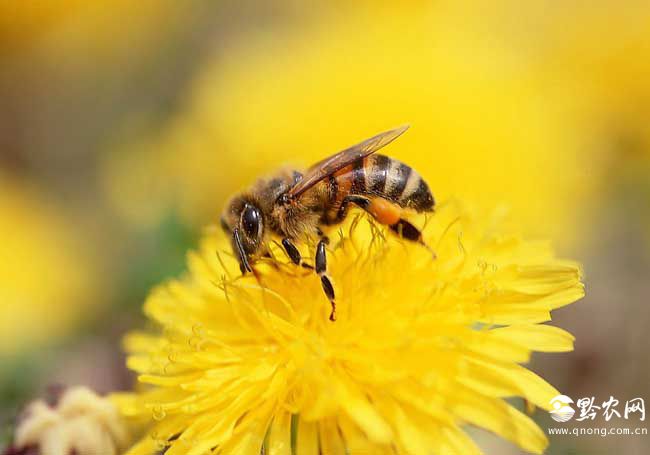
243, 259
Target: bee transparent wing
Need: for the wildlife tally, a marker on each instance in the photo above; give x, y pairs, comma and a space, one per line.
330, 165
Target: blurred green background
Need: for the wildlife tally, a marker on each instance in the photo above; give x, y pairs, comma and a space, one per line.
125, 125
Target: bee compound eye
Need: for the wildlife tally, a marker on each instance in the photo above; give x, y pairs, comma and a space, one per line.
251, 220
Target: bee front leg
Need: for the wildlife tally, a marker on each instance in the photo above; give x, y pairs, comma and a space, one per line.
321, 270
292, 251
294, 254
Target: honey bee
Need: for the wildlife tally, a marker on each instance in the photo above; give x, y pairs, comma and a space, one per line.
296, 206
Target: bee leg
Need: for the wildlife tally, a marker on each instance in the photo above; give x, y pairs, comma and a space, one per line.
294, 254
406, 230
409, 232
360, 201
387, 213
292, 251
321, 270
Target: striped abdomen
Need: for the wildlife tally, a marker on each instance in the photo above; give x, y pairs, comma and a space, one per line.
381, 176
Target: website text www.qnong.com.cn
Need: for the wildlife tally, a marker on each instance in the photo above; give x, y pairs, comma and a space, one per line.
603, 432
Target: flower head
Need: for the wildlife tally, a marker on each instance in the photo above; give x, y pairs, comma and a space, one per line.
80, 423
421, 347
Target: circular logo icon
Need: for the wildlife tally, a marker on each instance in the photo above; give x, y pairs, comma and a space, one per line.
561, 410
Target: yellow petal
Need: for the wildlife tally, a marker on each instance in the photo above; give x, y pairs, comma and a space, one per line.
365, 415
454, 441
355, 440
248, 441
146, 446
507, 313
307, 438
497, 348
537, 337
499, 417
410, 435
167, 381
522, 381
330, 438
279, 442
142, 342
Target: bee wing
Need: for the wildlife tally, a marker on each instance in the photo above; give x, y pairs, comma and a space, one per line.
330, 165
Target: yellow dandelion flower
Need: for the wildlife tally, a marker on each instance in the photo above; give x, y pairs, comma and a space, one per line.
422, 346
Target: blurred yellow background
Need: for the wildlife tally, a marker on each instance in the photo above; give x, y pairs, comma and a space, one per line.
124, 126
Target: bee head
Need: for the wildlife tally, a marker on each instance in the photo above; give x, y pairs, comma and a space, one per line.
244, 222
